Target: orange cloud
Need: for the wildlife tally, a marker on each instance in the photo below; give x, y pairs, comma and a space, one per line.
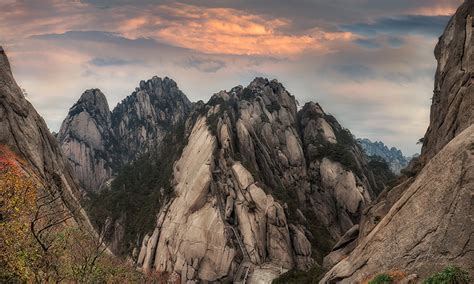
207, 30
446, 9
231, 31
435, 11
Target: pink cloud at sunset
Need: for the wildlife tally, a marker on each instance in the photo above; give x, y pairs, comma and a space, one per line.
324, 51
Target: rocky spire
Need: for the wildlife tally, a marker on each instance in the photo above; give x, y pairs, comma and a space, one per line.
98, 142
141, 120
85, 137
452, 108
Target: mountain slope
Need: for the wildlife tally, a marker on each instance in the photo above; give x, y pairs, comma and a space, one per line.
24, 132
258, 187
425, 223
452, 109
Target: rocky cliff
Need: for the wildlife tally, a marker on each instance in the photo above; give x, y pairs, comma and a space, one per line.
393, 156
425, 223
142, 120
99, 142
452, 108
85, 137
24, 131
259, 188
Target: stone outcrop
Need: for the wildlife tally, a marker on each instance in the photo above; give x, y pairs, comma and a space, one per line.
428, 228
85, 135
141, 120
252, 177
393, 156
24, 131
340, 183
425, 223
452, 108
190, 236
99, 142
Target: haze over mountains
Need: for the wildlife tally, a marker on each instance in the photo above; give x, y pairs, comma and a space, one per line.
247, 186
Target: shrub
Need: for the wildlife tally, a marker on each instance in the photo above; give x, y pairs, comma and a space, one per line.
247, 94
382, 279
252, 206
450, 275
274, 106
138, 192
298, 276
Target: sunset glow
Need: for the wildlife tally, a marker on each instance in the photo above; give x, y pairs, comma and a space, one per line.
58, 48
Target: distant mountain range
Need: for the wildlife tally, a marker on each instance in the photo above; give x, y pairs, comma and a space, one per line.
393, 156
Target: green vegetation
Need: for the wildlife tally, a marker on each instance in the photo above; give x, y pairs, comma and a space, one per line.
449, 275
274, 106
247, 94
339, 153
138, 192
320, 238
213, 119
382, 173
382, 279
297, 276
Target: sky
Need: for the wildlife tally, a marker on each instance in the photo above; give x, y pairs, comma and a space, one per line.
369, 63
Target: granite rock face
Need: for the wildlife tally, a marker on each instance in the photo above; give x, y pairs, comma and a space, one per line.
84, 137
141, 120
426, 222
99, 142
24, 131
393, 156
253, 176
428, 228
452, 108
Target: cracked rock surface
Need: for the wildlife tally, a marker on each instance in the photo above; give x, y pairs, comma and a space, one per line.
426, 222
253, 175
24, 132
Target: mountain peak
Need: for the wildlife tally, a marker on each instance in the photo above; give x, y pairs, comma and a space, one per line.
393, 156
260, 82
452, 109
6, 76
94, 101
155, 84
312, 108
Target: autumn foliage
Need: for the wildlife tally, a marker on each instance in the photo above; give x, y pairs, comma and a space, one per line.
17, 204
72, 255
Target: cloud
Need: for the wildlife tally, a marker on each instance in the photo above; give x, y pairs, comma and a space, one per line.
96, 36
355, 71
369, 62
368, 42
395, 41
110, 61
231, 31
400, 25
205, 65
